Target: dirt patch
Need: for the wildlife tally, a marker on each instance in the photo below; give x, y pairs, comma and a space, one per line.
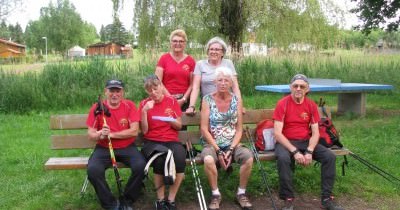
304, 202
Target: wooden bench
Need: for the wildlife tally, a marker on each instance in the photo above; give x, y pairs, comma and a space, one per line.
71, 139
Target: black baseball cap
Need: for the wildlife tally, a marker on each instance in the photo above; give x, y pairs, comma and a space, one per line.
114, 83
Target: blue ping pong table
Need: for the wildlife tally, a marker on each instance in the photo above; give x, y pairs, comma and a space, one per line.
351, 96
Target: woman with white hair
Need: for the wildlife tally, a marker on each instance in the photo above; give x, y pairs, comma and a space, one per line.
203, 75
221, 129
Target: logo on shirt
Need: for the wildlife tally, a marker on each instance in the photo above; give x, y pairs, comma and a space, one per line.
186, 67
124, 122
169, 112
304, 116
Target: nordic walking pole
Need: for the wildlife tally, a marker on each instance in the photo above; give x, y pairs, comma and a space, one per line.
112, 156
260, 167
195, 172
84, 186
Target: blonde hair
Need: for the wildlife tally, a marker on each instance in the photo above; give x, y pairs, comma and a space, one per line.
178, 32
219, 41
224, 71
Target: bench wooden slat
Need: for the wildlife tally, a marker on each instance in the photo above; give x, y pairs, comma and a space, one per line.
81, 141
63, 163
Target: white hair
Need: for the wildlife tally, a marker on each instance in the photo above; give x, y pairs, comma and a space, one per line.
224, 71
219, 41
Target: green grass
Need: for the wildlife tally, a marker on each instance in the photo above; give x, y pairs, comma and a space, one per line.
25, 143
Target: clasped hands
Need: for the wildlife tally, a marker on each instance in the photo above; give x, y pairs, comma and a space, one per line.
303, 159
224, 158
104, 132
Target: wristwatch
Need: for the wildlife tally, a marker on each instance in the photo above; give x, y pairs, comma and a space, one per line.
309, 151
294, 152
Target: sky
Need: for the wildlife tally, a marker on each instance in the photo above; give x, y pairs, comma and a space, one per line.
99, 12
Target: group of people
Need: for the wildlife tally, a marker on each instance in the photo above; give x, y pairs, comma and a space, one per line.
172, 91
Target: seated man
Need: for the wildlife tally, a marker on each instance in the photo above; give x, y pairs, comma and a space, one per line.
296, 131
117, 119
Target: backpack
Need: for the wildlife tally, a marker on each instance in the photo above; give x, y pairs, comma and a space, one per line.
328, 135
265, 140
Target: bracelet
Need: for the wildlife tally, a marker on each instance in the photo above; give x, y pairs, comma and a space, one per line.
220, 152
309, 151
294, 152
231, 149
194, 108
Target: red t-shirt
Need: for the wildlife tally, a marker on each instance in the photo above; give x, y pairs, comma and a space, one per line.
159, 130
176, 76
120, 119
296, 118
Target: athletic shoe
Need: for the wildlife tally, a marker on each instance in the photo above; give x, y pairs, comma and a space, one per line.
329, 204
244, 202
288, 204
215, 202
161, 205
171, 205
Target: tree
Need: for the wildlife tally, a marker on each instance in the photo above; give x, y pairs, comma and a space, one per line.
8, 6
62, 26
377, 14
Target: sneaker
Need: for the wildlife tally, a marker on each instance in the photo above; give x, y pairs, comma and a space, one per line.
329, 204
161, 205
288, 204
171, 205
244, 201
214, 203
125, 204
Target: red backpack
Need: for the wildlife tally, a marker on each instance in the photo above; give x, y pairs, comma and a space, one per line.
265, 140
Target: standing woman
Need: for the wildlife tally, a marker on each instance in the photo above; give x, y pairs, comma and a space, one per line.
221, 128
175, 69
160, 122
203, 76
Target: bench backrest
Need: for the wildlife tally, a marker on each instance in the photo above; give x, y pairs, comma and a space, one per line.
70, 131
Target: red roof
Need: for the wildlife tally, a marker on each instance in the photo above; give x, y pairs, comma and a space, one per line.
11, 43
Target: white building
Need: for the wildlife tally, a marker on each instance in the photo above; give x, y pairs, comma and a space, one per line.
76, 51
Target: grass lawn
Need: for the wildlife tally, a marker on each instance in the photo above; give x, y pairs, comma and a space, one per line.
25, 143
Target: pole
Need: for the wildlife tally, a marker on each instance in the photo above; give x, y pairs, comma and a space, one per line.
45, 39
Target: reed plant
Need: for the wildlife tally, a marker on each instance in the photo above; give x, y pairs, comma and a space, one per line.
69, 84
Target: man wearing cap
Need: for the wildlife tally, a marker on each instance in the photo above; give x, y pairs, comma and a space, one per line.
296, 120
122, 125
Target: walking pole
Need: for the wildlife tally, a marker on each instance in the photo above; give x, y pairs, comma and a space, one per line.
84, 186
112, 156
376, 169
260, 167
195, 172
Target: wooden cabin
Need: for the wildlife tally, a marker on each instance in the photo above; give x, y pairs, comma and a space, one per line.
105, 49
9, 49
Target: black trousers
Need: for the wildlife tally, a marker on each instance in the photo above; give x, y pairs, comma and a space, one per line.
285, 162
100, 161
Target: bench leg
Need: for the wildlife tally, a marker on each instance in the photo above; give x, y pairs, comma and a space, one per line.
84, 186
352, 102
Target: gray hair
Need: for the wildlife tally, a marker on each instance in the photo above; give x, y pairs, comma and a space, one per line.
219, 41
224, 71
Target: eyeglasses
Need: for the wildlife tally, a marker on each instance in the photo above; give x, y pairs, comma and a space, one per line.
215, 49
178, 41
296, 86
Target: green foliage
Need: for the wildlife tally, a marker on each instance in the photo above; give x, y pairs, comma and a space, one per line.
63, 27
376, 13
116, 33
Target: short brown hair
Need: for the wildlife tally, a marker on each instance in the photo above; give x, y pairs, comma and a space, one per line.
151, 81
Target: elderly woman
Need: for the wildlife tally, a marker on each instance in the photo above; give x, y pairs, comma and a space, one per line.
221, 128
160, 122
175, 69
204, 72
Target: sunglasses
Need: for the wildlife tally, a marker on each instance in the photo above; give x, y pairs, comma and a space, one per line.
296, 86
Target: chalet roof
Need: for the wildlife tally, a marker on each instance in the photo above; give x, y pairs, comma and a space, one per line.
11, 43
102, 44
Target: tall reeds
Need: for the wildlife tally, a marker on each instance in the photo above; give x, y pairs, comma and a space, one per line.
72, 84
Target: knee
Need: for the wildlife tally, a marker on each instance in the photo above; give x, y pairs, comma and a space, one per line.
283, 159
138, 166
208, 161
249, 162
94, 171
